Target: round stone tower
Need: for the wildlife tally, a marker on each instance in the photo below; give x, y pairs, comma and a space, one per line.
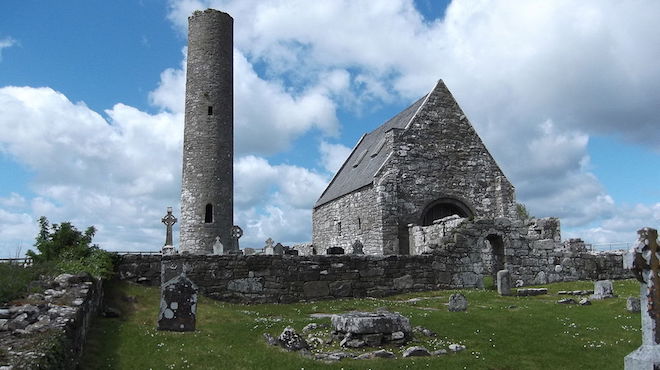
208, 144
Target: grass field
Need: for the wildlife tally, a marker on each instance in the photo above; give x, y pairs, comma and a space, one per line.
499, 332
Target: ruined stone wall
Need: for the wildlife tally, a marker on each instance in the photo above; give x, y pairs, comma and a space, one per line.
532, 252
139, 268
359, 220
438, 158
262, 278
48, 331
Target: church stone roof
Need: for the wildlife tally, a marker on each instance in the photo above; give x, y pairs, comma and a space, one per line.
368, 156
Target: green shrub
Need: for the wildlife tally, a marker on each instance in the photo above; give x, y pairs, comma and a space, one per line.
15, 279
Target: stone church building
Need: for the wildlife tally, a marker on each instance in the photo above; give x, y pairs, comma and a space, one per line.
425, 163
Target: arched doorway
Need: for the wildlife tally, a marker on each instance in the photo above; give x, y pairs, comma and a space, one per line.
444, 207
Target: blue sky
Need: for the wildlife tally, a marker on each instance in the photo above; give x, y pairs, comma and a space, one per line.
564, 95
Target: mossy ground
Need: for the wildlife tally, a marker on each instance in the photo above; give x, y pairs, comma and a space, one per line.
499, 332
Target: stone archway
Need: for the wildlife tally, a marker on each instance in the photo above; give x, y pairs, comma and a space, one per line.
444, 207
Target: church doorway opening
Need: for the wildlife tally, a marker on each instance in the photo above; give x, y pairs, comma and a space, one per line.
442, 208
494, 255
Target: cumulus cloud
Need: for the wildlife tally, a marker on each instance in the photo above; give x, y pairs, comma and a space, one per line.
333, 156
5, 43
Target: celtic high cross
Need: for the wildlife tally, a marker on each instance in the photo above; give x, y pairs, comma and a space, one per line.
169, 220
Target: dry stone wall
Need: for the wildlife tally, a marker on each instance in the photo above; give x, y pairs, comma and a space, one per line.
48, 330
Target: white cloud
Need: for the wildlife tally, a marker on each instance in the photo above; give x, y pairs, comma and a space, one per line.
14, 200
333, 156
5, 43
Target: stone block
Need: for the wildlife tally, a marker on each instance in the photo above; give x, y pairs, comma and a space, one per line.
633, 305
404, 282
603, 289
457, 302
246, 285
504, 282
313, 289
341, 288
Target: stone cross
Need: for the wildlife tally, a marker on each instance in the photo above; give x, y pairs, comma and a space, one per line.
169, 220
236, 233
644, 261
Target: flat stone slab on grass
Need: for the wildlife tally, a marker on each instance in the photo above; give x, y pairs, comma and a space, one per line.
531, 291
371, 323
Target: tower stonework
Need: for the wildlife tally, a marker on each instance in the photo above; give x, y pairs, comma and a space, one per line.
207, 185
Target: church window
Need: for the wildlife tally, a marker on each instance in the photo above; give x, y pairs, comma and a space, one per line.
359, 224
208, 214
210, 110
378, 147
359, 159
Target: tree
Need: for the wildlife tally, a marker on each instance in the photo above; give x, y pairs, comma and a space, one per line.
62, 241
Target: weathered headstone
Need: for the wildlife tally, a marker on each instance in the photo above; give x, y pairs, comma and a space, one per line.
218, 248
248, 251
357, 247
457, 302
644, 261
268, 248
178, 305
335, 250
603, 289
278, 249
504, 282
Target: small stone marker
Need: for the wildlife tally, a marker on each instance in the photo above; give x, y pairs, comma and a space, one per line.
178, 305
644, 261
357, 247
268, 249
632, 305
218, 248
248, 251
457, 302
603, 289
416, 351
503, 282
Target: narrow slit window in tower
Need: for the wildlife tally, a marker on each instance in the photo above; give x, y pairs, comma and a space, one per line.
208, 214
339, 228
359, 224
210, 110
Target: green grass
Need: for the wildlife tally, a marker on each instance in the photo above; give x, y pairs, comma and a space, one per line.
535, 334
15, 280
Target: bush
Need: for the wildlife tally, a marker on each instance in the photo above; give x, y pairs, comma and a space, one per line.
72, 251
15, 279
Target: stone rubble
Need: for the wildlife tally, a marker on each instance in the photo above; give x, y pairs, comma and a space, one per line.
531, 291
64, 310
633, 305
416, 351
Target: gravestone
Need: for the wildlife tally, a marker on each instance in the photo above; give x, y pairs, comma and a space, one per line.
236, 233
290, 251
268, 249
248, 251
644, 260
633, 304
278, 249
218, 248
335, 250
178, 304
358, 247
169, 220
457, 302
503, 282
603, 289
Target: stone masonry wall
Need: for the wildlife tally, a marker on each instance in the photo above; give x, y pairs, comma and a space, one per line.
359, 221
139, 268
532, 252
284, 279
444, 157
48, 329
